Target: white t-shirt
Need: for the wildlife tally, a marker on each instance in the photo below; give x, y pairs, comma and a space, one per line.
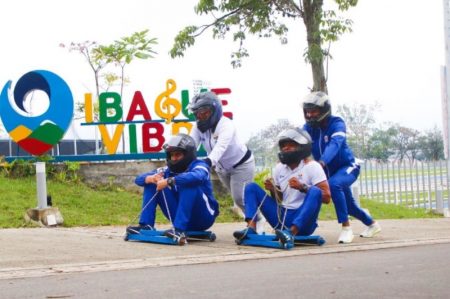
310, 173
223, 146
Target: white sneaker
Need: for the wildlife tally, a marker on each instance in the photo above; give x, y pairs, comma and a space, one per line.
236, 210
371, 230
346, 235
260, 225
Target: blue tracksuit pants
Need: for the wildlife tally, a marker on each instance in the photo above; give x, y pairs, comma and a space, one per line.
304, 218
187, 208
341, 194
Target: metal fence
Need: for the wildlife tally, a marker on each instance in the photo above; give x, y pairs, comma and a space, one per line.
423, 184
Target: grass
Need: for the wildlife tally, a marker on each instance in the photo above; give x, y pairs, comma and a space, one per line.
81, 205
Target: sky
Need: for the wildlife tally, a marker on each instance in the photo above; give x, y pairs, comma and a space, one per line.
392, 57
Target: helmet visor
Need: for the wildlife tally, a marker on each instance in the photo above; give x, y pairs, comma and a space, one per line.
203, 113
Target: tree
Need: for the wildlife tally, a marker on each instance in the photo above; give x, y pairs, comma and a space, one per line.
404, 140
264, 19
264, 144
120, 53
379, 145
359, 119
432, 145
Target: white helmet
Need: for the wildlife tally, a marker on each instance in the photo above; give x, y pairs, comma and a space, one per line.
316, 100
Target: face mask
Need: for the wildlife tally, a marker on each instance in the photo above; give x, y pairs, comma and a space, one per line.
290, 157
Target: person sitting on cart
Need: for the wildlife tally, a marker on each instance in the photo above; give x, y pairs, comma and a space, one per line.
182, 189
297, 190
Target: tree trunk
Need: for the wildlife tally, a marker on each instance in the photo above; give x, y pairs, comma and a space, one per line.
312, 17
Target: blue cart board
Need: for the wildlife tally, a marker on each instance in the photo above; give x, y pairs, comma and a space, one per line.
271, 241
157, 236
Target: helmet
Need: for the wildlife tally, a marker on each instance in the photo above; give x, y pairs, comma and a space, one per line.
316, 100
184, 143
299, 136
206, 100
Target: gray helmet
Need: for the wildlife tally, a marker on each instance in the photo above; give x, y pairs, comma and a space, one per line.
316, 100
299, 136
184, 143
210, 100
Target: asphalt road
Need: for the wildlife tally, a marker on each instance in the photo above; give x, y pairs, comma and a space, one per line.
405, 272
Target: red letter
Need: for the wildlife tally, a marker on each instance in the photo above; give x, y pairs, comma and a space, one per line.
218, 91
138, 107
147, 136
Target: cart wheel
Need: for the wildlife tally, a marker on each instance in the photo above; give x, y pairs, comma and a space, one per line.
125, 238
212, 237
320, 241
238, 242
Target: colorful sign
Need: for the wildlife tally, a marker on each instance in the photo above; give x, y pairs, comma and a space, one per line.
36, 134
172, 112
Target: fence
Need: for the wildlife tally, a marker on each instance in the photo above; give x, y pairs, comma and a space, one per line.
412, 184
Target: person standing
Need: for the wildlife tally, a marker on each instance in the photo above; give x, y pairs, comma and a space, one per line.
330, 149
233, 161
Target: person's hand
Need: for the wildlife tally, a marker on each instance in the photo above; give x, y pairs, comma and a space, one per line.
153, 179
295, 183
161, 184
207, 161
268, 184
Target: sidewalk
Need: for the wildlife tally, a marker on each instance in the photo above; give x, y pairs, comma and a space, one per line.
35, 252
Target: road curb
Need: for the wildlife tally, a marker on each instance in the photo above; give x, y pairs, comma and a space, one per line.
241, 253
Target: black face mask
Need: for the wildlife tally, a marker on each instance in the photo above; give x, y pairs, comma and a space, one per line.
289, 158
181, 165
314, 123
296, 156
203, 125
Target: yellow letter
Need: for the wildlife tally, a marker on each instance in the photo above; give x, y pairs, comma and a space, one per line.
111, 145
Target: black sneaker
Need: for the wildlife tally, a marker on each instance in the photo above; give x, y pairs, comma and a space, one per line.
242, 234
176, 235
137, 229
285, 237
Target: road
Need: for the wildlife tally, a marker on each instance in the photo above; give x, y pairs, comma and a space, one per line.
404, 272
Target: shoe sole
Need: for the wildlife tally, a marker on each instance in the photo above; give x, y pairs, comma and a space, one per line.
376, 232
343, 242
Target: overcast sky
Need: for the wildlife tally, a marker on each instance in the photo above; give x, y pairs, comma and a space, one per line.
393, 57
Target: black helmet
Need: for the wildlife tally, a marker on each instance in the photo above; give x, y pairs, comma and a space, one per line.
206, 100
186, 144
316, 100
299, 136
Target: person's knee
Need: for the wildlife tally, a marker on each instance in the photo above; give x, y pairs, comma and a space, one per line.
251, 187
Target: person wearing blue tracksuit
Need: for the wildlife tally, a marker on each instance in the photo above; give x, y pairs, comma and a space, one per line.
297, 190
330, 149
182, 189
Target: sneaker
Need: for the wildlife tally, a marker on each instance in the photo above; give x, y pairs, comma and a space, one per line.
237, 211
137, 229
346, 235
284, 236
242, 234
371, 230
260, 225
176, 235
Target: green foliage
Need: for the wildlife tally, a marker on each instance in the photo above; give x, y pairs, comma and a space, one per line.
18, 168
63, 172
266, 19
264, 144
81, 205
